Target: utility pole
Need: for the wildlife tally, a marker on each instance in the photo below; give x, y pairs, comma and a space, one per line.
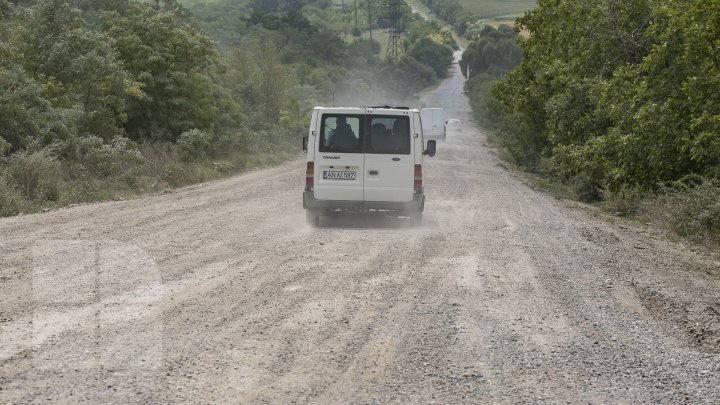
369, 19
395, 44
356, 19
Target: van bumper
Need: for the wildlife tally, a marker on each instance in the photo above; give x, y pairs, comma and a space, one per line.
416, 205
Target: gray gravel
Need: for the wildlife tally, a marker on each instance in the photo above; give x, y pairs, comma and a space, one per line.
221, 293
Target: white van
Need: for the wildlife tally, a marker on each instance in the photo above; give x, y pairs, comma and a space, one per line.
365, 159
434, 123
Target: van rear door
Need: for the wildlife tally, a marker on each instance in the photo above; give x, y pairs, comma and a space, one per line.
389, 160
339, 157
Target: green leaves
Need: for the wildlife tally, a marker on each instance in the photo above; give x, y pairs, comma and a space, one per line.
116, 157
620, 93
80, 80
87, 65
492, 51
172, 64
27, 118
435, 54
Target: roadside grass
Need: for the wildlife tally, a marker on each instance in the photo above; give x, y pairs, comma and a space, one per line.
690, 214
491, 9
559, 190
684, 212
495, 144
195, 3
535, 180
418, 6
496, 22
690, 211
33, 182
702, 268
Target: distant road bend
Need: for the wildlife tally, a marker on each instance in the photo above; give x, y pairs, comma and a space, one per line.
221, 293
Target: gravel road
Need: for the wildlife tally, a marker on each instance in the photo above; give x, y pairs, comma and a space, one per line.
221, 293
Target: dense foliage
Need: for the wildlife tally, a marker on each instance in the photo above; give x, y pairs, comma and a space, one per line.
614, 101
492, 51
491, 54
620, 94
115, 95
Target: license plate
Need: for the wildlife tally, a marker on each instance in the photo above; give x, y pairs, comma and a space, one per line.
338, 175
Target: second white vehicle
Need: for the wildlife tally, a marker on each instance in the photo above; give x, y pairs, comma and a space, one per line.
433, 120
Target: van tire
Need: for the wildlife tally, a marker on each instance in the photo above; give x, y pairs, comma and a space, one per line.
312, 218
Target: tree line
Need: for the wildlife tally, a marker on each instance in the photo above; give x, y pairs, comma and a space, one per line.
621, 94
113, 97
617, 100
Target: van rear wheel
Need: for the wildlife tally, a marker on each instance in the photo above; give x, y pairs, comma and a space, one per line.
312, 218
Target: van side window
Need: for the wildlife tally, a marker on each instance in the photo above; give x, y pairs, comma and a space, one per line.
341, 133
389, 134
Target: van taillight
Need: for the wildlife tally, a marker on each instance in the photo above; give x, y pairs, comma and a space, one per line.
418, 179
309, 176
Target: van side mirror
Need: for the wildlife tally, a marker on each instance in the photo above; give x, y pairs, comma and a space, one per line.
305, 143
431, 146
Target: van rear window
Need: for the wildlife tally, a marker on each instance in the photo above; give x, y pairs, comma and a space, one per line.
389, 134
342, 133
381, 134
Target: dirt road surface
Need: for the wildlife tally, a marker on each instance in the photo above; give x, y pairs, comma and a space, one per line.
220, 293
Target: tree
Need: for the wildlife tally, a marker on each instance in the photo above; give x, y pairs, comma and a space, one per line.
573, 48
8, 51
493, 51
622, 94
172, 64
273, 79
86, 64
45, 23
407, 76
259, 81
27, 118
436, 55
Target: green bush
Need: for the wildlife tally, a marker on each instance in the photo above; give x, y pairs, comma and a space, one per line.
116, 158
178, 174
692, 212
194, 144
36, 175
619, 112
486, 109
10, 200
4, 147
626, 202
434, 54
586, 190
80, 192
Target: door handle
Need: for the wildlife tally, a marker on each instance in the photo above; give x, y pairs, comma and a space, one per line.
373, 172
396, 159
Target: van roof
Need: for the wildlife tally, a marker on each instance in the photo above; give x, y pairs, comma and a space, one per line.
389, 107
381, 107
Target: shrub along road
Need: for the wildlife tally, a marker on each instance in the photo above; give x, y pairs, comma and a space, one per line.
221, 293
